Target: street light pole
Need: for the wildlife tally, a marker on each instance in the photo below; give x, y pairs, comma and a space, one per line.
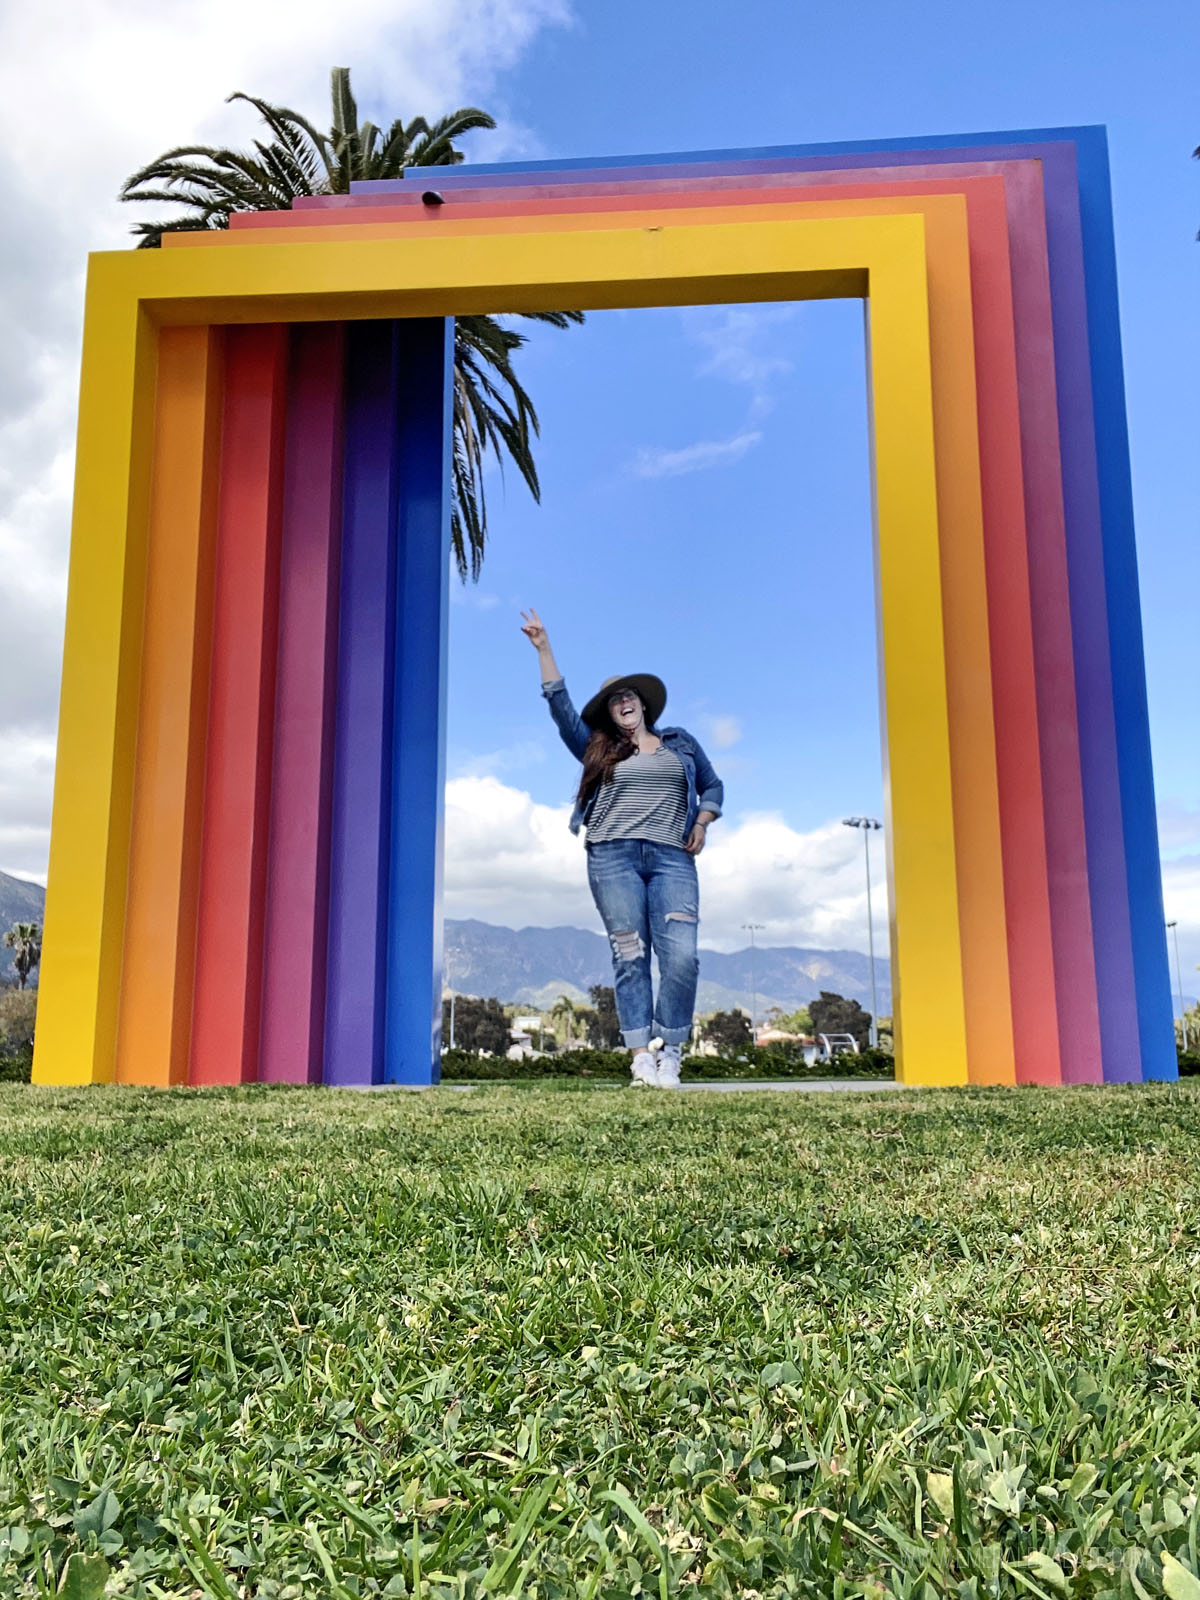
869, 826
753, 928
1179, 983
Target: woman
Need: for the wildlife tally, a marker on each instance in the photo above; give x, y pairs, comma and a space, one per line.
646, 798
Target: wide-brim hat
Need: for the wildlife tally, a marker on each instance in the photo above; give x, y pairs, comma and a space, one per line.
651, 691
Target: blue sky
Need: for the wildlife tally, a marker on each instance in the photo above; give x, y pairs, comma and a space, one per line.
705, 509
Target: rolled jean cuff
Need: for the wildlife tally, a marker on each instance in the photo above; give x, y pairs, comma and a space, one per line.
636, 1038
672, 1035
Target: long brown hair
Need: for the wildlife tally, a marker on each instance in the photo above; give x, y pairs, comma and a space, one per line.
605, 750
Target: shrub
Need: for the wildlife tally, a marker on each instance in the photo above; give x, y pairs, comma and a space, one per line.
16, 1068
1189, 1063
18, 1014
764, 1066
462, 1064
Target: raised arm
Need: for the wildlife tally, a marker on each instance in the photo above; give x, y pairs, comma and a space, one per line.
534, 630
572, 730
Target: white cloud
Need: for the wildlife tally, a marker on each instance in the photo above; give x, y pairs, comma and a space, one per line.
26, 780
734, 337
655, 463
1181, 903
1179, 838
1178, 825
513, 861
467, 594
722, 732
127, 80
737, 342
519, 757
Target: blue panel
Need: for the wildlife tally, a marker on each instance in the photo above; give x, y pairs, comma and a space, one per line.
1140, 825
1129, 724
418, 748
361, 814
598, 166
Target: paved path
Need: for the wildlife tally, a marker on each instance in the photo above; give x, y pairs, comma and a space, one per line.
809, 1085
726, 1086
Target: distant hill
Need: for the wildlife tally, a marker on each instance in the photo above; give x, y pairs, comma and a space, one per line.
20, 901
533, 966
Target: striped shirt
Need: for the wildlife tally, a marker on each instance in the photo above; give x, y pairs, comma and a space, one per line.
647, 799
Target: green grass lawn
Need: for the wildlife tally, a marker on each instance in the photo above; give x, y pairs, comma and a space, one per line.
563, 1341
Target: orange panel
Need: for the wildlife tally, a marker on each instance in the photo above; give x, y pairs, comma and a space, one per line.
981, 873
154, 1023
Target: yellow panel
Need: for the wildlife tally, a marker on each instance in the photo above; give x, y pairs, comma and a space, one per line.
659, 265
89, 836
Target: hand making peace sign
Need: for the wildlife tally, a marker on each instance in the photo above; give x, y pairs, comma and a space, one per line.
534, 630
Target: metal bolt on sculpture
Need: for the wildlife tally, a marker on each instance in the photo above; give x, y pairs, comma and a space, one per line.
245, 868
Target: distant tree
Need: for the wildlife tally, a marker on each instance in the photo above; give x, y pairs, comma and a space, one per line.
564, 1011
604, 1027
25, 940
797, 1021
587, 1022
729, 1031
832, 1013
478, 1024
1189, 1023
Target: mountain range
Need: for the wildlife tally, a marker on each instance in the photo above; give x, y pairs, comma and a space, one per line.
20, 901
533, 966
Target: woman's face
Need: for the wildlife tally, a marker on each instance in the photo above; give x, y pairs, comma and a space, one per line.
625, 709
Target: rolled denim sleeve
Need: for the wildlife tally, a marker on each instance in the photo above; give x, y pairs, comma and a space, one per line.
572, 729
710, 791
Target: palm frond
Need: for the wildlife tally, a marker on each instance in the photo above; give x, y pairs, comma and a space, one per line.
345, 109
435, 147
149, 234
308, 145
493, 415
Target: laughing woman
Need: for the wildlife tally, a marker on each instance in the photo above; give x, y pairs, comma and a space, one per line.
646, 797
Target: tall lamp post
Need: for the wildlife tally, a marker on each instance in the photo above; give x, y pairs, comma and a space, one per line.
752, 928
868, 826
447, 961
1179, 983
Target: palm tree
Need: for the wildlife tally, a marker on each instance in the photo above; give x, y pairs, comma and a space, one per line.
492, 411
25, 938
563, 1010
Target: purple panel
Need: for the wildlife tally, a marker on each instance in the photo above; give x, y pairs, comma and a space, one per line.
1103, 823
360, 824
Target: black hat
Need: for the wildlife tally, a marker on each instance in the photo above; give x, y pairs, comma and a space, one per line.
651, 691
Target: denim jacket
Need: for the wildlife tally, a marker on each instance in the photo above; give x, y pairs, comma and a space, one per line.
705, 789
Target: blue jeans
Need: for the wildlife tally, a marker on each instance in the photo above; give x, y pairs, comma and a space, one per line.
649, 899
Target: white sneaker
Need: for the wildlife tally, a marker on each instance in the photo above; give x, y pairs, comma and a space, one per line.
668, 1067
643, 1071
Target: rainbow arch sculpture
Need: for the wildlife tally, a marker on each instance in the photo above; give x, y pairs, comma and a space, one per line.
245, 871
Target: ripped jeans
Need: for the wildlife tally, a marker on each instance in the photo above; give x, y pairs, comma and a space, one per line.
648, 897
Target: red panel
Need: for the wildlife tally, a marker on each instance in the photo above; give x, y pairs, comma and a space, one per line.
237, 790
